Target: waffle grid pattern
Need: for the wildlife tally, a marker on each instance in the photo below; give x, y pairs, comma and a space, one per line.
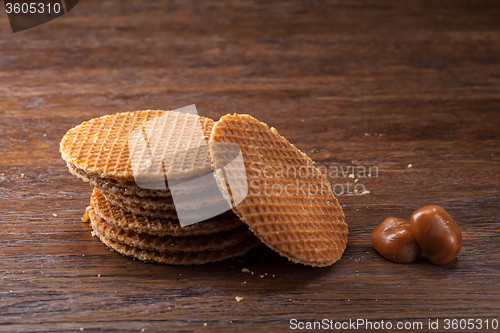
174, 257
112, 186
100, 147
167, 212
215, 241
305, 227
158, 227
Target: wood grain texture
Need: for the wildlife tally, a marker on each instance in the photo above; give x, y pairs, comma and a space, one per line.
351, 83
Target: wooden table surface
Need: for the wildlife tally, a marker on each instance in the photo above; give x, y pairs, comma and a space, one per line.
380, 84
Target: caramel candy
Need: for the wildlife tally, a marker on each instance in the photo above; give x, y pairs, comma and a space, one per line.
437, 234
394, 240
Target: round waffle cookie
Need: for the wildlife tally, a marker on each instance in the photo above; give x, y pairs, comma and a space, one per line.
155, 226
155, 144
130, 188
166, 212
153, 203
287, 202
214, 241
172, 257
112, 186
163, 207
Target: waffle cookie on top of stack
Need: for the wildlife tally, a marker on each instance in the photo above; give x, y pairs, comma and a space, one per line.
132, 159
154, 176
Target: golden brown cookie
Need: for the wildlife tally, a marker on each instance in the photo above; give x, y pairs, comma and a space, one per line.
176, 257
210, 242
277, 191
156, 226
112, 186
156, 143
143, 207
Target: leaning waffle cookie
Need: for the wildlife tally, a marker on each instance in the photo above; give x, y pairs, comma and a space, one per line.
151, 144
214, 241
179, 257
156, 226
287, 202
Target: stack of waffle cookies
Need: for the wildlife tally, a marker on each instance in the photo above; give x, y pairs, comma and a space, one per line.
141, 221
275, 195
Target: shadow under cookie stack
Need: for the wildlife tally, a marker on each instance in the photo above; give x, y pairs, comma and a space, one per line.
137, 177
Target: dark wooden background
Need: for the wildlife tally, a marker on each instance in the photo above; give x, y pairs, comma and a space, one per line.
352, 83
